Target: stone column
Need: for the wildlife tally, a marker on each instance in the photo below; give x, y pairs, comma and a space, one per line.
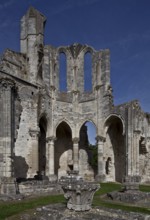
6, 127
136, 151
50, 158
133, 180
76, 154
101, 166
35, 151
7, 137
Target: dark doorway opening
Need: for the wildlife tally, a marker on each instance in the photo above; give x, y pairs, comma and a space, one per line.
42, 146
117, 139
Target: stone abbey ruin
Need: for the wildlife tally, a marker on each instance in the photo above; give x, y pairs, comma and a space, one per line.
43, 132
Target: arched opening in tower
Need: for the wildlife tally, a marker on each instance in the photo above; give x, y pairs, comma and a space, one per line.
87, 72
42, 145
62, 72
115, 150
88, 151
63, 150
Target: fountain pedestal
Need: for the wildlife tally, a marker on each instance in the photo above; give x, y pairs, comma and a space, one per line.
79, 194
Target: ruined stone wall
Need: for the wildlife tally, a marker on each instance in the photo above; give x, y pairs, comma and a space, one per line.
76, 106
75, 97
14, 64
31, 42
25, 154
144, 149
37, 107
137, 139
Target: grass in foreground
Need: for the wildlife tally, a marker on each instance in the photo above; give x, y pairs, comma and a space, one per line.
110, 187
125, 207
13, 208
145, 188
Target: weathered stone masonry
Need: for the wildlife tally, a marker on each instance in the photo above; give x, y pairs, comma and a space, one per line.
40, 124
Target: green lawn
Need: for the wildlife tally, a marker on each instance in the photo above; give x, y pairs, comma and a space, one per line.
12, 208
145, 188
8, 209
110, 187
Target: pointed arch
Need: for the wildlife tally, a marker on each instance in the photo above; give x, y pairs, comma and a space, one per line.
91, 131
115, 148
87, 120
65, 127
63, 149
59, 122
113, 117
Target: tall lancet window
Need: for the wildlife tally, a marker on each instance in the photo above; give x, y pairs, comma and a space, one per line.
62, 72
87, 72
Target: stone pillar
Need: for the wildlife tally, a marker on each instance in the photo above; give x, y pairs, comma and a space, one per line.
7, 182
76, 154
101, 166
136, 151
6, 127
50, 158
133, 180
35, 151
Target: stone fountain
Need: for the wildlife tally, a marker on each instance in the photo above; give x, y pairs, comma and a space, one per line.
79, 193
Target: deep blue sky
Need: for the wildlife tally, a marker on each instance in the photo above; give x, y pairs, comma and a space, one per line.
123, 26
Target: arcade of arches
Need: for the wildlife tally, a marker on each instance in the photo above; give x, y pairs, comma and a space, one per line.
48, 94
78, 153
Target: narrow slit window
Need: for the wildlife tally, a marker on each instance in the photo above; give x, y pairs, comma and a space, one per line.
62, 72
87, 72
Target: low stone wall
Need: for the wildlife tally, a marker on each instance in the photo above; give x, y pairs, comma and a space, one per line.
39, 187
10, 188
130, 196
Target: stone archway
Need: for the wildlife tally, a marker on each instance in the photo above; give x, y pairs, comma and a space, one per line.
115, 149
63, 149
42, 145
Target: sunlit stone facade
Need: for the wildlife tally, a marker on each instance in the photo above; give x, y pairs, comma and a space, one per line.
43, 128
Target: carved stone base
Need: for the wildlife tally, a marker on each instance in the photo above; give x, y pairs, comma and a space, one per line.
79, 194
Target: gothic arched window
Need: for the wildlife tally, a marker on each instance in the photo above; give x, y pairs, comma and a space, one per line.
62, 72
87, 72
